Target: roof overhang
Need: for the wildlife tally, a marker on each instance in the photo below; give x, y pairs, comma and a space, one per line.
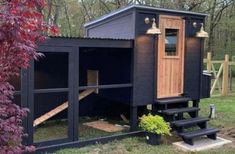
135, 6
86, 42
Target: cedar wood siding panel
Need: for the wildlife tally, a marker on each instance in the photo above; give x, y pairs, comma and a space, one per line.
120, 27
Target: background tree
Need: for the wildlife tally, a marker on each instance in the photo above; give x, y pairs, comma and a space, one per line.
219, 23
217, 9
21, 26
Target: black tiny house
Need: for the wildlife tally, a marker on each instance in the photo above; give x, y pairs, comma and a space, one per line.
117, 69
129, 23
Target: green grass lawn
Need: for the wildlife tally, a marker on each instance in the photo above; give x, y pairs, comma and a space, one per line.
225, 111
57, 129
217, 92
225, 120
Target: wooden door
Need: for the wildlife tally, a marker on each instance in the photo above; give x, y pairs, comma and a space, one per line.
170, 66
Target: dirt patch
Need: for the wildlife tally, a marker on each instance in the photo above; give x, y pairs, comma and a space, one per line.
95, 151
228, 133
110, 149
168, 140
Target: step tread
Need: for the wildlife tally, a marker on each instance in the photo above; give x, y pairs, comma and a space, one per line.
180, 110
173, 100
189, 121
197, 133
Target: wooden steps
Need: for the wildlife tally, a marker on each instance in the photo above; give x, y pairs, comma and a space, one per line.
182, 125
174, 110
197, 133
189, 122
173, 100
60, 108
180, 110
188, 137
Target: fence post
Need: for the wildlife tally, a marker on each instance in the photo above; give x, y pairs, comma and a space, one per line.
225, 76
209, 62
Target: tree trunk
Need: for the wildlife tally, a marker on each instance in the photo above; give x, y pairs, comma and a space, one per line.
211, 28
67, 18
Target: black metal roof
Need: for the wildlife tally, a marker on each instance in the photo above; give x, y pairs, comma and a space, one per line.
141, 7
90, 38
67, 41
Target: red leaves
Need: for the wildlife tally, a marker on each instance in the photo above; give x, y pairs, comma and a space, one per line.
20, 28
2, 35
54, 30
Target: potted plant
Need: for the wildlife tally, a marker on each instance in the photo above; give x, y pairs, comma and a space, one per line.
155, 126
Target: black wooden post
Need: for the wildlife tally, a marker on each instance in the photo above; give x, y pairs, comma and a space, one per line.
133, 118
30, 102
196, 103
155, 109
155, 47
24, 101
76, 94
73, 83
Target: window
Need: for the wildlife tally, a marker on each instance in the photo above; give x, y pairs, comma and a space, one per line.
171, 41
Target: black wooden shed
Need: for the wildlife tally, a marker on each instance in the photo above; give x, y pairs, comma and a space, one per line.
117, 69
168, 68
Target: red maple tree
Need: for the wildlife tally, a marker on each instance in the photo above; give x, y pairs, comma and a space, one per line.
21, 27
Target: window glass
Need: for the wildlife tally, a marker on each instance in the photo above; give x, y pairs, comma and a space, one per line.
171, 40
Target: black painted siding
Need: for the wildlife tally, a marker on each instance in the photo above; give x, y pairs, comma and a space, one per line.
193, 61
145, 52
144, 60
120, 26
141, 26
143, 83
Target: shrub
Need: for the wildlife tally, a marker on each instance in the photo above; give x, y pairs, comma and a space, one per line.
155, 124
21, 27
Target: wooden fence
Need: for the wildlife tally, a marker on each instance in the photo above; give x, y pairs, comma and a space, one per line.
222, 76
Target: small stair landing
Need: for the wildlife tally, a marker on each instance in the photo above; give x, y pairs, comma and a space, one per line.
201, 144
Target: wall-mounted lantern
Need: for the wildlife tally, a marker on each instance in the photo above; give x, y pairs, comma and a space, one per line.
202, 33
153, 30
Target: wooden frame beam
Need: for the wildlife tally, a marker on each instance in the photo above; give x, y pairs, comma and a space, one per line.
78, 144
127, 85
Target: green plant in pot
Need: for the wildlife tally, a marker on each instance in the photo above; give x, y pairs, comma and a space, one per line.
154, 126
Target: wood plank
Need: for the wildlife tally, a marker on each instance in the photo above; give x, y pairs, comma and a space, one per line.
217, 62
60, 108
93, 79
225, 76
216, 78
104, 126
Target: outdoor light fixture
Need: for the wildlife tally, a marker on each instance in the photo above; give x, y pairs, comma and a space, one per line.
202, 33
153, 30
